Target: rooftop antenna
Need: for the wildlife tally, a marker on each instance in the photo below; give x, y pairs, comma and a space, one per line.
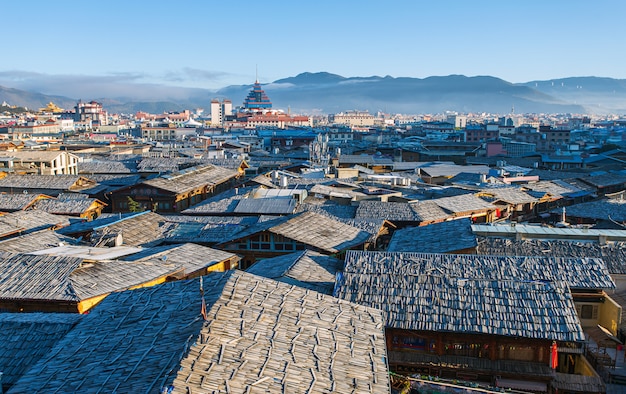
256, 70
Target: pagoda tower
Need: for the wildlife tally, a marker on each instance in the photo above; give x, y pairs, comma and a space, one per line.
257, 100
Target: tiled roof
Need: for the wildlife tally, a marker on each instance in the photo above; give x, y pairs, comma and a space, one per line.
144, 229
62, 278
393, 211
321, 232
65, 206
509, 195
308, 269
27, 337
116, 179
296, 349
327, 207
259, 334
33, 220
332, 191
429, 211
315, 230
455, 293
100, 278
463, 203
449, 170
266, 206
606, 180
164, 164
190, 179
34, 241
214, 231
598, 210
613, 254
220, 204
86, 226
444, 237
422, 211
580, 273
106, 167
190, 256
17, 202
554, 187
57, 182
37, 277
430, 302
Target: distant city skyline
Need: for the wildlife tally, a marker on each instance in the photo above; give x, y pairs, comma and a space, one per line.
108, 47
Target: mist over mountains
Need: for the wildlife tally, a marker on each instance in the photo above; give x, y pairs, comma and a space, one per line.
324, 93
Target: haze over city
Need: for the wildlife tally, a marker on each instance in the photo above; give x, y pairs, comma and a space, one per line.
85, 47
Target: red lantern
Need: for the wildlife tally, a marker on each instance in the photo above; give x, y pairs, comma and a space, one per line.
554, 356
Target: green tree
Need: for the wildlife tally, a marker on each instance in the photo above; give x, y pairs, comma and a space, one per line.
133, 206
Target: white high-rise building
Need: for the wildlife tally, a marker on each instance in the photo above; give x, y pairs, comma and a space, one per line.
220, 110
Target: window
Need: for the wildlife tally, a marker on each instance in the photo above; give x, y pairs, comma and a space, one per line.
589, 312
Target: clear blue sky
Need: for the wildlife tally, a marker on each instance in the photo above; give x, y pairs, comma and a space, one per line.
212, 44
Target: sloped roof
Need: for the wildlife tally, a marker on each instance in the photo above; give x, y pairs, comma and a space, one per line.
605, 180
96, 279
34, 241
258, 333
435, 302
191, 257
32, 220
343, 342
321, 232
510, 195
582, 273
469, 293
463, 203
313, 229
422, 211
450, 170
62, 278
202, 231
164, 164
394, 211
192, 178
428, 211
266, 206
327, 207
444, 237
17, 202
67, 206
89, 225
554, 187
27, 337
116, 179
144, 229
220, 204
333, 191
37, 277
365, 159
106, 167
308, 269
264, 180
599, 210
613, 254
57, 182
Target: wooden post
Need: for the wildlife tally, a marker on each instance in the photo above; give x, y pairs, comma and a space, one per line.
439, 345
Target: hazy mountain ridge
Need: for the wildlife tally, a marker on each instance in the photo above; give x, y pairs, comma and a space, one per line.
324, 92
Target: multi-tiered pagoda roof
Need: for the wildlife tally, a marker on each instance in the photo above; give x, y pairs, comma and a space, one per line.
257, 99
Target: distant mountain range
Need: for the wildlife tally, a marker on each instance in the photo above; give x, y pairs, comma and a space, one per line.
325, 93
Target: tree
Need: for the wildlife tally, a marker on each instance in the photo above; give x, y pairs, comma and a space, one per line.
134, 206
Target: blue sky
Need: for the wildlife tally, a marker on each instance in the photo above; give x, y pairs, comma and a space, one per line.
53, 47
